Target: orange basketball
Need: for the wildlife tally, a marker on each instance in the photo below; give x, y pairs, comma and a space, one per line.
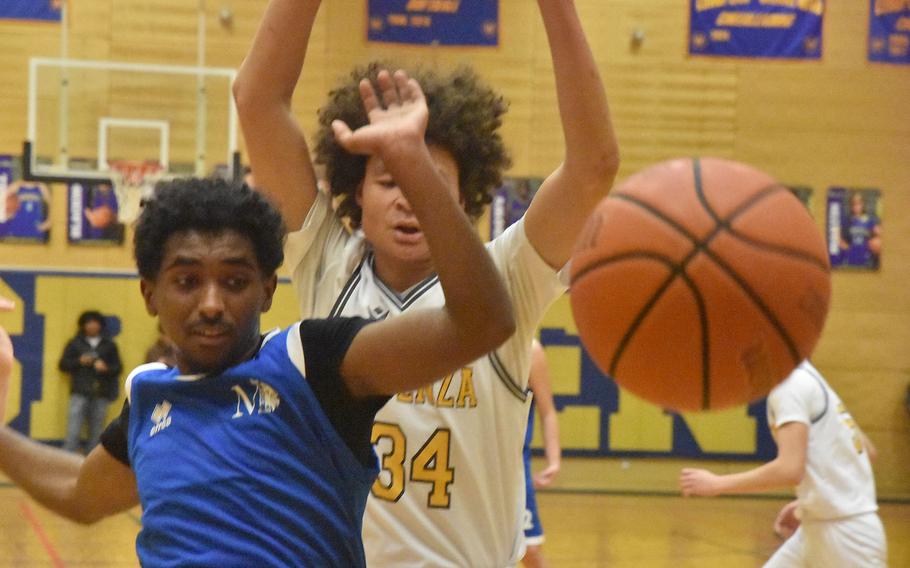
700, 284
101, 217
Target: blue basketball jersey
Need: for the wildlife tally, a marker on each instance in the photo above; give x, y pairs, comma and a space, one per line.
31, 214
243, 468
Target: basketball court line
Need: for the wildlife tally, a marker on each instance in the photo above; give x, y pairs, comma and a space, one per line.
41, 534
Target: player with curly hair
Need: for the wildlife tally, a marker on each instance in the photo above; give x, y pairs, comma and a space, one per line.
451, 487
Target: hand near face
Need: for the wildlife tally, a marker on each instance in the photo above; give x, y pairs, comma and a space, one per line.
398, 116
699, 483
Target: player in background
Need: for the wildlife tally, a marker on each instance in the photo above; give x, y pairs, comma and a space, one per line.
540, 385
255, 451
823, 453
451, 489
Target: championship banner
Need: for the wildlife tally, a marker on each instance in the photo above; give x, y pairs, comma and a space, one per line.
854, 228
92, 214
889, 31
46, 10
780, 29
434, 22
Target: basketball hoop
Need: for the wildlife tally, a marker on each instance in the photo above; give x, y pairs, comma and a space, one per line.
134, 181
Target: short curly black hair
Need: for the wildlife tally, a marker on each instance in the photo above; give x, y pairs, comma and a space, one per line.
207, 205
465, 116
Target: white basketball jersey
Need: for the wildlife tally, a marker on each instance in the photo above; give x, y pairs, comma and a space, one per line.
451, 486
838, 480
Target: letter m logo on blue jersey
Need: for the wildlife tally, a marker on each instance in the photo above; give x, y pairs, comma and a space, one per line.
259, 398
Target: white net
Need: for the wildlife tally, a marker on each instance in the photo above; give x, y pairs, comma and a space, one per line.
134, 181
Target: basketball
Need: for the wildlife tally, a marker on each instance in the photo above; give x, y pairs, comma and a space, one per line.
700, 284
100, 217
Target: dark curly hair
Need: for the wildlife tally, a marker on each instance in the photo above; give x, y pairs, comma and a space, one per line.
210, 206
464, 118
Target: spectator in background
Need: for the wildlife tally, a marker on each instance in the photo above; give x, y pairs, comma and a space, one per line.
93, 361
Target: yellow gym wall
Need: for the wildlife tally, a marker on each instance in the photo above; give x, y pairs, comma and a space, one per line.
838, 121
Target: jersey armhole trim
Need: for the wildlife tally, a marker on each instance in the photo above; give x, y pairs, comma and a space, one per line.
295, 349
506, 379
821, 385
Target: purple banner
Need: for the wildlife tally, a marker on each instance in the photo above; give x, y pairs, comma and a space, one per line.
756, 28
46, 10
889, 31
93, 210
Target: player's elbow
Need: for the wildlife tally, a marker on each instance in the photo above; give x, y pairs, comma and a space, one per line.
251, 98
791, 474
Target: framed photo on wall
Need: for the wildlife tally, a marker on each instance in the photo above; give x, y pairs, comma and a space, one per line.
854, 228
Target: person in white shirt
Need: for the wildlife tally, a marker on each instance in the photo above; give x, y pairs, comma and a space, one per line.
451, 487
823, 453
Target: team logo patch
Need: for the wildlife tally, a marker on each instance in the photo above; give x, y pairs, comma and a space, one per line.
161, 416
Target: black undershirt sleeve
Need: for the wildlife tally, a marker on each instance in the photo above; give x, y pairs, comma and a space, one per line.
325, 343
114, 437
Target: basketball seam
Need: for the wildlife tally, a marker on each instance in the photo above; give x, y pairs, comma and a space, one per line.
742, 208
699, 247
676, 271
721, 225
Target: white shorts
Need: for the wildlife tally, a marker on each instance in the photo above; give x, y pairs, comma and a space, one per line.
841, 543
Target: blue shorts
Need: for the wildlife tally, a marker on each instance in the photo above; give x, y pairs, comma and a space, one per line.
532, 527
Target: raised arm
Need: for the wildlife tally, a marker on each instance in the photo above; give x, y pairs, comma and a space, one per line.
82, 489
786, 470
569, 194
403, 352
540, 384
277, 149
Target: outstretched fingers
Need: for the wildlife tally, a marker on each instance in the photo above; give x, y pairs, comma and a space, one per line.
368, 96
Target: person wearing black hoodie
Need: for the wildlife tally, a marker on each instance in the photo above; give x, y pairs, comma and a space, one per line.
93, 361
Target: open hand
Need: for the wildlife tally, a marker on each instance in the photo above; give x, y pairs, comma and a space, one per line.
698, 482
399, 118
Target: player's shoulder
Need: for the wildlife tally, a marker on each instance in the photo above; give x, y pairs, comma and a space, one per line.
141, 372
804, 382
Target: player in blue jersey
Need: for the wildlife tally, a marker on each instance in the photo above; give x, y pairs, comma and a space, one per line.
255, 451
540, 386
